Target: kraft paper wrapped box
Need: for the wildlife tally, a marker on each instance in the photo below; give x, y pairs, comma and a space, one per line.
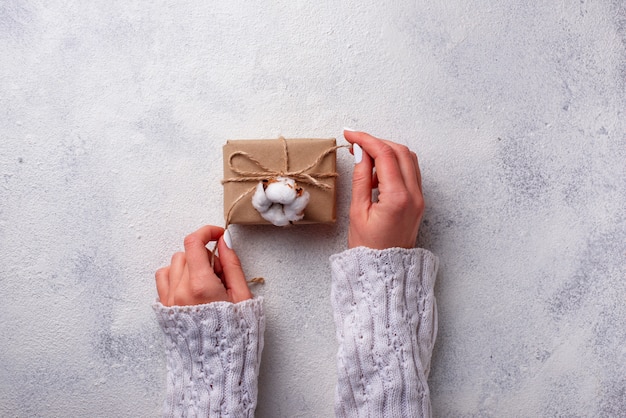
248, 161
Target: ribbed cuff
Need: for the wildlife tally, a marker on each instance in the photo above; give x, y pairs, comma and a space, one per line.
385, 312
213, 355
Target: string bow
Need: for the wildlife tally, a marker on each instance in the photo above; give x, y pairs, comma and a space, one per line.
265, 173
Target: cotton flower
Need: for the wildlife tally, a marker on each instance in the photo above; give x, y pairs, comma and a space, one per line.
280, 201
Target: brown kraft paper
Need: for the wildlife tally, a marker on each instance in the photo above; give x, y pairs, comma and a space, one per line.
270, 153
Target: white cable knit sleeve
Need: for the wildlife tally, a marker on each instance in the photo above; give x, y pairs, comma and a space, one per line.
213, 356
386, 318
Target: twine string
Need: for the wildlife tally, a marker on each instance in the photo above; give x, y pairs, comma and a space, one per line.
265, 172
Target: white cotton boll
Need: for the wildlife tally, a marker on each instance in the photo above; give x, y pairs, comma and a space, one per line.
280, 200
282, 191
260, 200
295, 211
276, 215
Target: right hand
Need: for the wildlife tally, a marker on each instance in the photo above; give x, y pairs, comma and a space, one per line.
393, 220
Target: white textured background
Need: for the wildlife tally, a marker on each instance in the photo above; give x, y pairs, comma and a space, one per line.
112, 118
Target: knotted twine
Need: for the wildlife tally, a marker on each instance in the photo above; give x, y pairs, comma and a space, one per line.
265, 173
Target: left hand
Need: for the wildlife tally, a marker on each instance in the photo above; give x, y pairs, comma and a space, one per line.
190, 279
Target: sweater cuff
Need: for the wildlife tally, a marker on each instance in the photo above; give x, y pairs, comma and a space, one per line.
213, 355
363, 275
385, 312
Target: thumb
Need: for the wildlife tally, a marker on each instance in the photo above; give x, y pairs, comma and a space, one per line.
234, 278
362, 174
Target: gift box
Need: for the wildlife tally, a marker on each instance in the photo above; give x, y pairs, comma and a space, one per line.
311, 162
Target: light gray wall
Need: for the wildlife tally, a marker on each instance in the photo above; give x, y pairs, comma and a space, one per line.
112, 117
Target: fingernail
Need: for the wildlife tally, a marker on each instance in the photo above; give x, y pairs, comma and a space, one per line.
348, 129
228, 240
358, 153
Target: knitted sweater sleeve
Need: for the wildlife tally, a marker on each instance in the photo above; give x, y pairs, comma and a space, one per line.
213, 355
386, 318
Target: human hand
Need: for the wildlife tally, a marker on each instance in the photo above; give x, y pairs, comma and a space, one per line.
190, 279
393, 220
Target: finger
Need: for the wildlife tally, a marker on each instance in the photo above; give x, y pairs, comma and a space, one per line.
176, 269
162, 283
420, 200
361, 178
417, 170
217, 266
234, 278
406, 164
387, 168
219, 271
183, 283
196, 253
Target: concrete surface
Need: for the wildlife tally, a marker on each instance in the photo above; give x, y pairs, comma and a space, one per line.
112, 118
